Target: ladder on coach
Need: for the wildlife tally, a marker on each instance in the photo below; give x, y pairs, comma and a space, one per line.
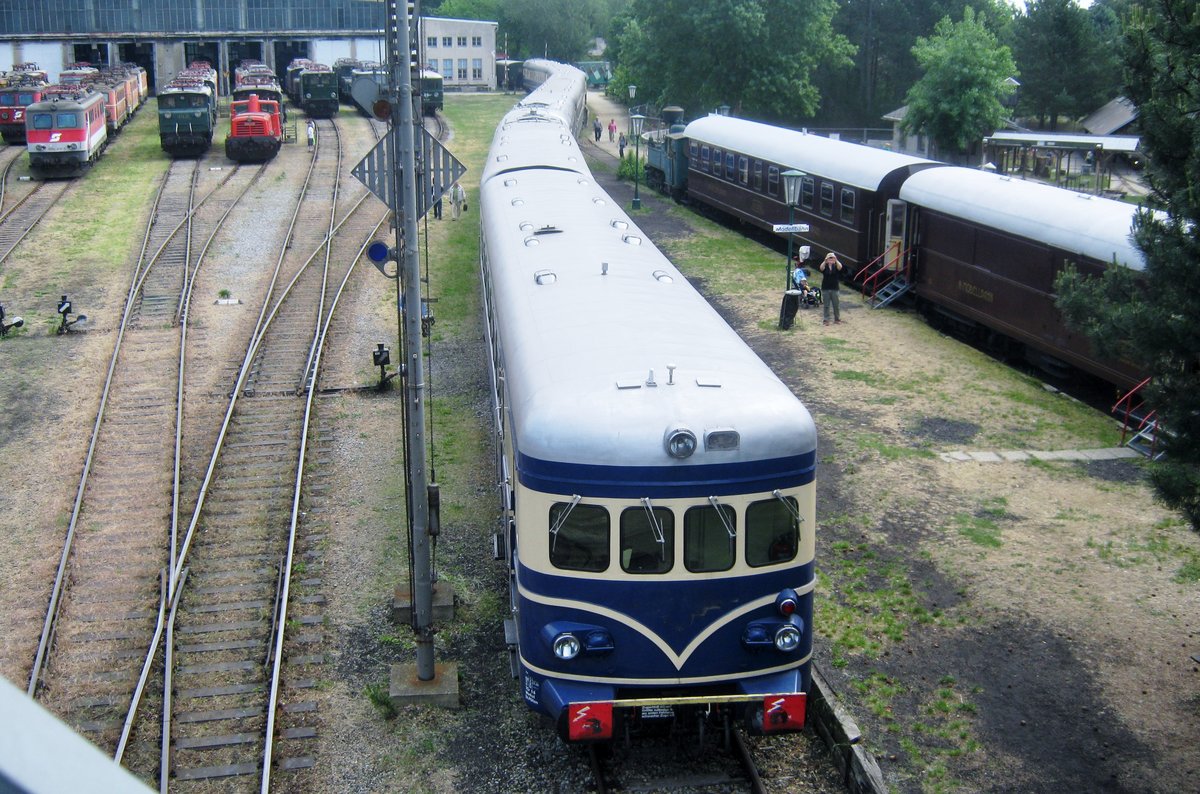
890, 291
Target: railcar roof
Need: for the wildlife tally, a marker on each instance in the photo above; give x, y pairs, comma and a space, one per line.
1077, 222
848, 163
580, 347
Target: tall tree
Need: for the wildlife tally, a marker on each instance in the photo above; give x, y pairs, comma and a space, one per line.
755, 55
1065, 65
959, 98
558, 29
1157, 317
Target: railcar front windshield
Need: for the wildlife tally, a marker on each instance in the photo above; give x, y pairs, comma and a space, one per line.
656, 539
43, 121
66, 121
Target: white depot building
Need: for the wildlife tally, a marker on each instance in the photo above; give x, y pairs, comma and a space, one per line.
462, 51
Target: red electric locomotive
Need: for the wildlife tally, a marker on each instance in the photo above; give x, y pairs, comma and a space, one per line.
26, 84
255, 132
66, 131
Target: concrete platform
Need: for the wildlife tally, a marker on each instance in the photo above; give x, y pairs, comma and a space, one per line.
405, 689
443, 604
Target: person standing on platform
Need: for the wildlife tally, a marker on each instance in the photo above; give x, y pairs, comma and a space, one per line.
621, 142
458, 199
831, 276
597, 129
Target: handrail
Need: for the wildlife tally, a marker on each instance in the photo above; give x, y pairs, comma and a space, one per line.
1127, 400
875, 280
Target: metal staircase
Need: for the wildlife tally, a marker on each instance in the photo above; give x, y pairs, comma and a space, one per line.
890, 291
1140, 430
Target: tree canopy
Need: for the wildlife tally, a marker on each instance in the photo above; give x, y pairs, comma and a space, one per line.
1156, 316
958, 100
1066, 67
758, 54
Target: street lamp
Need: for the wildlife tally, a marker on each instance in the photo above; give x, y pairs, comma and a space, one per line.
636, 120
791, 194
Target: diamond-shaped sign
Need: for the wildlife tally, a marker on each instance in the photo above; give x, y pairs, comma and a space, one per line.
441, 170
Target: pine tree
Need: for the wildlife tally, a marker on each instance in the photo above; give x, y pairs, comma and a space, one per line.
1156, 315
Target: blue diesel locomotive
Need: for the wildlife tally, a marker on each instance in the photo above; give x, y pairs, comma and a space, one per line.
656, 478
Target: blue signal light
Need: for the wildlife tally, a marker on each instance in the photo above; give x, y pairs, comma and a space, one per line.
379, 252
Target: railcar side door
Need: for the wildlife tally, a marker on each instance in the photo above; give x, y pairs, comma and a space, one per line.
897, 220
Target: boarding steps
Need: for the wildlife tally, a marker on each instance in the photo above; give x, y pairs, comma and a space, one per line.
1140, 429
890, 292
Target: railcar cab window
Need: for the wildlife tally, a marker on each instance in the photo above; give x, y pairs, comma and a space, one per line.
579, 536
773, 180
847, 205
772, 531
709, 538
43, 121
647, 539
808, 187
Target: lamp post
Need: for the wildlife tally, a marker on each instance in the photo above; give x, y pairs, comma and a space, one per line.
791, 194
637, 119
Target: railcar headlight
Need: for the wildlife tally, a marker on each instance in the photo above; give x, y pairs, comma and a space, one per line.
787, 638
566, 646
680, 443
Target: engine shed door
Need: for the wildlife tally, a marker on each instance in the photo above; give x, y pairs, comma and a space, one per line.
897, 220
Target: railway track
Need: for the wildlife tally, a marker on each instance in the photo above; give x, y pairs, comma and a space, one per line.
25, 213
677, 763
9, 156
227, 644
101, 625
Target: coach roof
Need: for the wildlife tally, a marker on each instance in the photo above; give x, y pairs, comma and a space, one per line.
849, 163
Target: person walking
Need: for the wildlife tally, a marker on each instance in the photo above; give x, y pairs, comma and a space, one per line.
312, 134
597, 129
612, 130
458, 199
831, 276
621, 145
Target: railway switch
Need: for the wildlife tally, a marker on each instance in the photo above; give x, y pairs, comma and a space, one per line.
64, 311
5, 325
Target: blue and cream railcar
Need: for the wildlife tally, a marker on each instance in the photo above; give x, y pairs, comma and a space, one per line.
657, 479
847, 189
990, 248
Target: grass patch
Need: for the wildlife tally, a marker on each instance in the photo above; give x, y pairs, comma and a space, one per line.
980, 530
1158, 546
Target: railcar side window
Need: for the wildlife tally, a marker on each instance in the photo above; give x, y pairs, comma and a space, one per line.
718, 157
693, 154
847, 205
647, 540
758, 174
705, 153
730, 165
808, 187
772, 532
743, 170
773, 180
708, 538
43, 121
827, 199
581, 540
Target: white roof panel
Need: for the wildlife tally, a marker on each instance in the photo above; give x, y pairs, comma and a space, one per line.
849, 163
